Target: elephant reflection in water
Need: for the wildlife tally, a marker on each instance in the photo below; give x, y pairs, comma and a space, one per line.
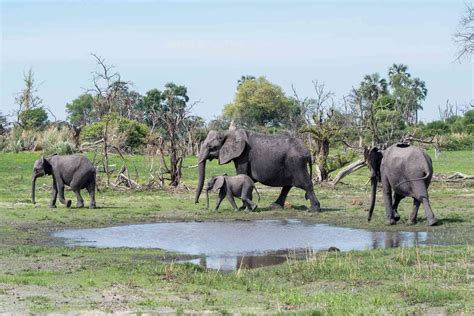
396, 239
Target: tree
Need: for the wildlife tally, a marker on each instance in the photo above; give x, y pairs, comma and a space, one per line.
326, 127
150, 107
33, 118
111, 94
363, 98
464, 37
408, 92
243, 79
259, 103
167, 113
3, 124
80, 110
30, 113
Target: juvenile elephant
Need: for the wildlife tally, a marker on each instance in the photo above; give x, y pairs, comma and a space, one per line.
75, 171
240, 186
276, 161
406, 170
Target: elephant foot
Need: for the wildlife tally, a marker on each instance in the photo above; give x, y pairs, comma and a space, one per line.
390, 221
52, 206
242, 208
276, 206
432, 222
411, 222
92, 206
315, 208
68, 203
396, 217
81, 205
254, 208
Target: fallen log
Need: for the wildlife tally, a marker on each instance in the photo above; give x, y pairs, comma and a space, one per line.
354, 166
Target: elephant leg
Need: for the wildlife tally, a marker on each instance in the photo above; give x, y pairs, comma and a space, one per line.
91, 190
387, 197
54, 195
80, 200
231, 200
428, 212
220, 197
251, 206
414, 212
315, 206
305, 183
60, 188
396, 201
280, 202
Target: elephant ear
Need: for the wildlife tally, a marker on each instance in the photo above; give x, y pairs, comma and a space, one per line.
48, 169
233, 146
374, 160
218, 183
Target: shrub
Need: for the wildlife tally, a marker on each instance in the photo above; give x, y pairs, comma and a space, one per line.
121, 132
457, 142
54, 140
33, 118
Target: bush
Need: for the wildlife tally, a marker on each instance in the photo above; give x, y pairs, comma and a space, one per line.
121, 132
456, 142
55, 139
33, 118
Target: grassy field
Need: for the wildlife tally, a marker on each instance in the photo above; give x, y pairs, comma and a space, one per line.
39, 274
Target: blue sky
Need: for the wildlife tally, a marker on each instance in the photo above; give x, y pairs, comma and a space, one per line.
208, 45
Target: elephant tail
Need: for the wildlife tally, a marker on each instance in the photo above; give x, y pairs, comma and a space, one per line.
427, 175
310, 162
255, 187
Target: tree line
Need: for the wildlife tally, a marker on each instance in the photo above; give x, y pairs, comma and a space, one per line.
111, 116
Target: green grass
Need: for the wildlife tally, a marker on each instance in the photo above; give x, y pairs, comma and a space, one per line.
38, 274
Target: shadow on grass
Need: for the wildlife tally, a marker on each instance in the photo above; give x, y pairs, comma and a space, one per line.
450, 220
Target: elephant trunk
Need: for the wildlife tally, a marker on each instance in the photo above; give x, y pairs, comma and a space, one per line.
373, 179
33, 187
202, 172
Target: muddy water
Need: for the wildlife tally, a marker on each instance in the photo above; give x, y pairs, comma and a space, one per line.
250, 244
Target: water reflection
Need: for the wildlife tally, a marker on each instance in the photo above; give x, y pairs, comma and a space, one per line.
245, 244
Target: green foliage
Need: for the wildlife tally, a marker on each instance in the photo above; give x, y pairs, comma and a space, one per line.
258, 102
121, 132
457, 142
33, 118
436, 128
80, 110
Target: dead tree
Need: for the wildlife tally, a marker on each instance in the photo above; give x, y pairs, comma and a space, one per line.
464, 37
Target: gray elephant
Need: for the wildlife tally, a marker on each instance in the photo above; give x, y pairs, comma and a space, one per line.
276, 161
240, 186
406, 170
75, 171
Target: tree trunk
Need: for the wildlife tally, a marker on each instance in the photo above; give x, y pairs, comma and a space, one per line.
347, 170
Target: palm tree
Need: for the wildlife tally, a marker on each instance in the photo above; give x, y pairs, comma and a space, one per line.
373, 86
420, 92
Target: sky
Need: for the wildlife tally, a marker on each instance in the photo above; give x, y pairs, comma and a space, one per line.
208, 45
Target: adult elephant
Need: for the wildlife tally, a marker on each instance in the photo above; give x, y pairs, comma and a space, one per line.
406, 171
276, 161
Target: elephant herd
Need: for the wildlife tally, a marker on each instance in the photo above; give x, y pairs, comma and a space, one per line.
276, 161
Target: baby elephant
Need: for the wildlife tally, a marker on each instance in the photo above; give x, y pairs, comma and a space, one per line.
240, 186
75, 171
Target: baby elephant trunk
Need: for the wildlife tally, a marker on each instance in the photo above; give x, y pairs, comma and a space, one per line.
207, 198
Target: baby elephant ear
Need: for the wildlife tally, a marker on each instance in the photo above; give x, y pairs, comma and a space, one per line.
48, 169
218, 184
